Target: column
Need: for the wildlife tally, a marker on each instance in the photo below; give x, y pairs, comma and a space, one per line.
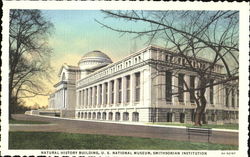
142, 87
98, 96
196, 85
123, 89
77, 99
104, 94
89, 98
115, 91
175, 89
86, 98
82, 104
230, 98
93, 97
132, 88
207, 94
186, 94
216, 94
109, 93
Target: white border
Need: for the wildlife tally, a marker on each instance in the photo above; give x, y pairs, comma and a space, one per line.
78, 5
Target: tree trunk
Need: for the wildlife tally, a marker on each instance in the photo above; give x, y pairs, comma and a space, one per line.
198, 115
200, 109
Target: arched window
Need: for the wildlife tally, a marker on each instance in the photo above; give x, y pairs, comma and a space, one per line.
99, 115
135, 116
94, 116
117, 116
169, 117
89, 115
104, 116
110, 116
182, 117
125, 116
82, 115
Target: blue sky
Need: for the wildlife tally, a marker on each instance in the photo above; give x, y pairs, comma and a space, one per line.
77, 33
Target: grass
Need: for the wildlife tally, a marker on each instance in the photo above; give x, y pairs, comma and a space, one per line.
14, 121
57, 140
224, 126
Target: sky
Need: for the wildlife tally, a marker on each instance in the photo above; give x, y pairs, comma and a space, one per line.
76, 32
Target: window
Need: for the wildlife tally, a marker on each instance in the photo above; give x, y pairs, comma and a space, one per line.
127, 88
119, 90
211, 92
137, 86
112, 92
168, 86
110, 116
135, 116
192, 83
104, 116
117, 116
181, 87
125, 116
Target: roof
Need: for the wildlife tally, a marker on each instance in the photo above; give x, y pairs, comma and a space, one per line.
96, 53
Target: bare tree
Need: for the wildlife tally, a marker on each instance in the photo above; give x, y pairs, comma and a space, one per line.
29, 55
190, 35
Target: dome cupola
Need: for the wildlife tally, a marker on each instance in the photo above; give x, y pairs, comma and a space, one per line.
93, 60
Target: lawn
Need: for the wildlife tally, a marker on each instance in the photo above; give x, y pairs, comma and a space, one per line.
57, 140
225, 126
14, 121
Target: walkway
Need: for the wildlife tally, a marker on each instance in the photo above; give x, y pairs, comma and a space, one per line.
120, 129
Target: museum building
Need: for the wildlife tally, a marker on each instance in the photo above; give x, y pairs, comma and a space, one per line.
140, 87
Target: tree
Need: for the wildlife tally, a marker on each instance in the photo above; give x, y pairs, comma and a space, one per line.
191, 35
29, 55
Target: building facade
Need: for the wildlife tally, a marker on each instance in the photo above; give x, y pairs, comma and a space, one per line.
141, 87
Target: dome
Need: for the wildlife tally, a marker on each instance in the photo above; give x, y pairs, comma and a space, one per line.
95, 54
94, 59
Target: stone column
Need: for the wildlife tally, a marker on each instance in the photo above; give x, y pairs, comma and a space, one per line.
175, 100
77, 99
207, 95
109, 93
89, 97
82, 95
230, 98
102, 91
123, 90
93, 96
98, 96
216, 94
132, 88
187, 94
196, 84
115, 91
142, 87
86, 98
